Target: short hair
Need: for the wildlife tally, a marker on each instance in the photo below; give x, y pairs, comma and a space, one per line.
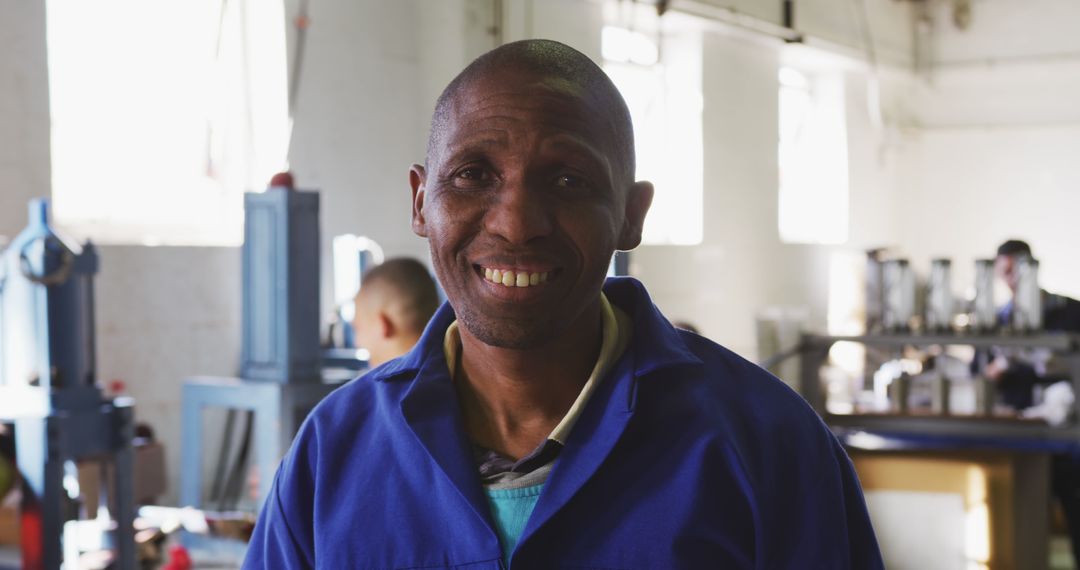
404, 281
546, 58
1014, 247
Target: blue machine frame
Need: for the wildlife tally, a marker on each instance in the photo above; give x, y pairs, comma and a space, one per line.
48, 385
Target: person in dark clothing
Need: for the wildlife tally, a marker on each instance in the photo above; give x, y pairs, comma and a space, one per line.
1017, 377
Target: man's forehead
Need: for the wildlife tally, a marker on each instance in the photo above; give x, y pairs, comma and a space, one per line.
551, 101
538, 91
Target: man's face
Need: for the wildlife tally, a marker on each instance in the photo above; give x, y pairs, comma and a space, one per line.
524, 179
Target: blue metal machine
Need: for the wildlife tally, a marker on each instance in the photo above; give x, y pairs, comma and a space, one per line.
48, 387
281, 286
282, 376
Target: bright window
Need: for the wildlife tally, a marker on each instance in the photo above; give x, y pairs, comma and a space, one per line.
665, 101
163, 114
813, 159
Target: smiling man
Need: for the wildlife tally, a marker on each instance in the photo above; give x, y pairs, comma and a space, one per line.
548, 418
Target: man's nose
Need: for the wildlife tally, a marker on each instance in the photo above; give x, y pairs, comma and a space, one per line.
520, 212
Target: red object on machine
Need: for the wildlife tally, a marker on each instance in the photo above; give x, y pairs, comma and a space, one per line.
178, 559
282, 179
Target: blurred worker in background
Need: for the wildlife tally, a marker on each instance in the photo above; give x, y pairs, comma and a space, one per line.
1060, 313
393, 305
1017, 374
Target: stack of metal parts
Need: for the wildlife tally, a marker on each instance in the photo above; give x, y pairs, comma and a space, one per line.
48, 390
891, 311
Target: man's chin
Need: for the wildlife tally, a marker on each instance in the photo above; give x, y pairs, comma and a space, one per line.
509, 335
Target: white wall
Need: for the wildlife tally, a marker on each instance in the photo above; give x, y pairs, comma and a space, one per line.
24, 111
998, 136
971, 189
166, 313
741, 266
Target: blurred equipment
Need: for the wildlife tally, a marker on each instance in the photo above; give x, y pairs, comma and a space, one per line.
778, 330
939, 300
940, 393
875, 292
282, 376
1027, 313
985, 397
899, 295
984, 315
353, 257
899, 392
48, 391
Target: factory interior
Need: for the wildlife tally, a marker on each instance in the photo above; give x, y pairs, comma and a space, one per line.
875, 200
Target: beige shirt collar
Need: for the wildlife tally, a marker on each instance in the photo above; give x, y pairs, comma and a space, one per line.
615, 330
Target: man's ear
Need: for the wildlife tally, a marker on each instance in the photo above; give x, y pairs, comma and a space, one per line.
638, 200
386, 325
417, 179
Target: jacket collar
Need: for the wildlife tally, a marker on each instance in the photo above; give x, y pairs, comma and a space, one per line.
656, 344
429, 406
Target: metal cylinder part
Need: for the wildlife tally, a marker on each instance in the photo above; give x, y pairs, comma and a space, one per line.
985, 396
939, 394
899, 295
939, 300
899, 389
984, 313
1027, 300
874, 293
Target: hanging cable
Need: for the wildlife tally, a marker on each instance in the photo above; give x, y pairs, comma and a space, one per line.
862, 20
873, 91
301, 22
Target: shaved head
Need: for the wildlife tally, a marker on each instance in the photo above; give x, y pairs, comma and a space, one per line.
403, 288
547, 59
530, 171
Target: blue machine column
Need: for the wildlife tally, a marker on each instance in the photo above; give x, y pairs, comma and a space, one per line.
281, 286
48, 386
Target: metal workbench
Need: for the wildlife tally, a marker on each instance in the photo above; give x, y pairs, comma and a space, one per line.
961, 430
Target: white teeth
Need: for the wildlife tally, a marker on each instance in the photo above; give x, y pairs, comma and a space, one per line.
510, 278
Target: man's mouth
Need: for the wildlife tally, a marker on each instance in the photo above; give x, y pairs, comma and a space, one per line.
514, 277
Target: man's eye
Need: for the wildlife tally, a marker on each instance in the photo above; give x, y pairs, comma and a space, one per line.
570, 181
471, 174
471, 177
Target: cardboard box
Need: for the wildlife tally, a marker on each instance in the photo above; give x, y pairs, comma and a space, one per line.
9, 526
148, 483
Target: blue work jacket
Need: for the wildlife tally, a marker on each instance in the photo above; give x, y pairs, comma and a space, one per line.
686, 456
